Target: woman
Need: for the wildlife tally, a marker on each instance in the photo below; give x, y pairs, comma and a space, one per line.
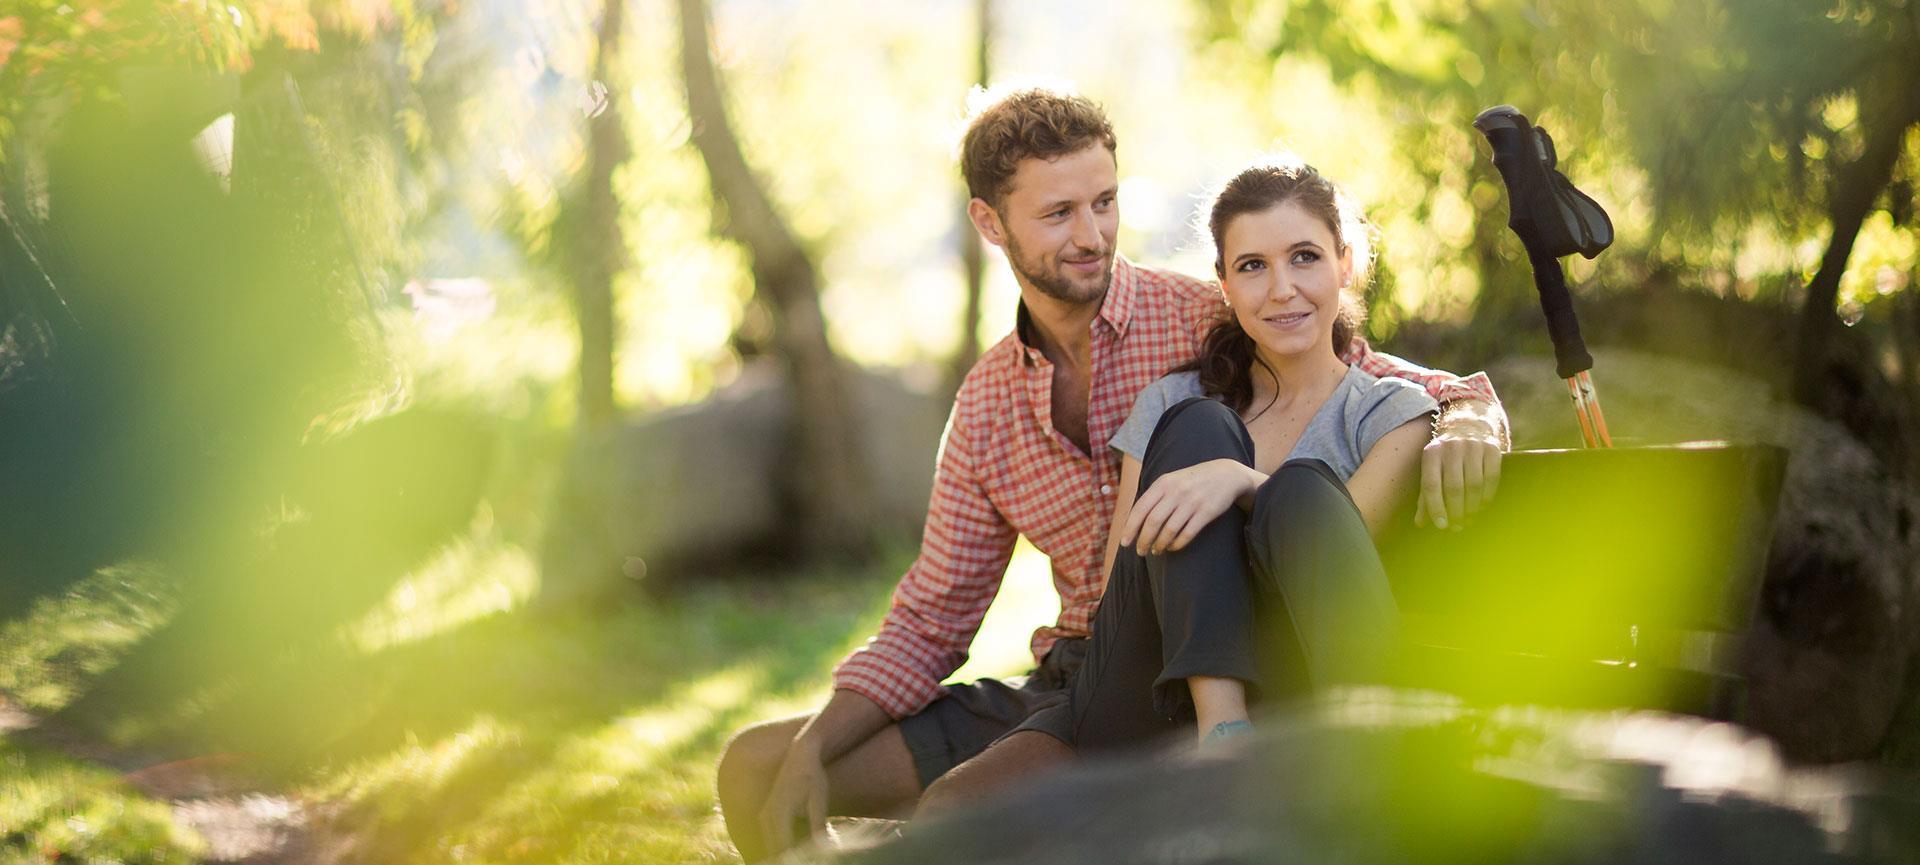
1261, 471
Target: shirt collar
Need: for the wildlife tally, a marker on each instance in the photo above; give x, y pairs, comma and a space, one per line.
1116, 309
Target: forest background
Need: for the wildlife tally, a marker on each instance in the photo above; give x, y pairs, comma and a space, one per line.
427, 429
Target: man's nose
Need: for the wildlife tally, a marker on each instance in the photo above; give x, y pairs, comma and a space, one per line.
1086, 230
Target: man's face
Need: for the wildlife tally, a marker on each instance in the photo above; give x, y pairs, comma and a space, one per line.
1058, 223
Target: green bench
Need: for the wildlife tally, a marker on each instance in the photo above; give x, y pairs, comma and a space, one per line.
1606, 578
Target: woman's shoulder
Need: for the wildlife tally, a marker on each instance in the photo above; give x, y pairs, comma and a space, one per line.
1153, 401
1177, 385
1364, 388
1376, 405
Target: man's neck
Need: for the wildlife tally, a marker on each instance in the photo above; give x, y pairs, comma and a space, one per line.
1061, 330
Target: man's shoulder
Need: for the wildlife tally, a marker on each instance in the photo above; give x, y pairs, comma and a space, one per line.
1181, 287
1184, 303
993, 369
983, 391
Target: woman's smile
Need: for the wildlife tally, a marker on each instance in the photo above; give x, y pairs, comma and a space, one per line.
1288, 320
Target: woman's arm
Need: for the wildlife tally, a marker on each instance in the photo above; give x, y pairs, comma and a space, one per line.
1390, 473
1182, 502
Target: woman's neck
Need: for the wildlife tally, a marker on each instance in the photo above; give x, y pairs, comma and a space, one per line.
1281, 380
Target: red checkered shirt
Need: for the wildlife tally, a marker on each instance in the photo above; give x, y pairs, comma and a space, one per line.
1004, 471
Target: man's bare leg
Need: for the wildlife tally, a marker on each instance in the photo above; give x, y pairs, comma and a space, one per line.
1023, 755
875, 779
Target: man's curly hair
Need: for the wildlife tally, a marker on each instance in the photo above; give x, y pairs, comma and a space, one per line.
1031, 122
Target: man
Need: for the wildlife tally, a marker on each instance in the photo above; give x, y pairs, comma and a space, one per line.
1025, 453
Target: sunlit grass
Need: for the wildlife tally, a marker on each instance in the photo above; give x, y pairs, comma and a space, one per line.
602, 735
578, 737
46, 655
475, 576
53, 809
451, 724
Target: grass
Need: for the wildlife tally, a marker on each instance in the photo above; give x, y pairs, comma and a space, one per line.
54, 809
447, 725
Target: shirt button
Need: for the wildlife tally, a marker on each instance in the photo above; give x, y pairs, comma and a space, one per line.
1106, 489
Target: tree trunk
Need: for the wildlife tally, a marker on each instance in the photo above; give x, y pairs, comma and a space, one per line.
596, 249
972, 249
1855, 190
825, 484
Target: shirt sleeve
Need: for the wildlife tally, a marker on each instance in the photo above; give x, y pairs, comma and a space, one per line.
939, 603
1389, 403
1443, 386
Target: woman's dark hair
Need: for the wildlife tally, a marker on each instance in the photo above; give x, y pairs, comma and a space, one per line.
1226, 358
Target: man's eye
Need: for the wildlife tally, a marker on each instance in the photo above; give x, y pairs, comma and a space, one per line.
1104, 203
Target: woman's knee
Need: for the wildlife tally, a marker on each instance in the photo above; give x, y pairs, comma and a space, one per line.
1303, 496
1301, 485
1195, 430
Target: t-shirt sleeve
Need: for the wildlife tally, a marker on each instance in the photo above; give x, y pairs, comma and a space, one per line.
1389, 403
1132, 437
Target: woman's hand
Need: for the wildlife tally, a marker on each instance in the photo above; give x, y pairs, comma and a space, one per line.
1178, 505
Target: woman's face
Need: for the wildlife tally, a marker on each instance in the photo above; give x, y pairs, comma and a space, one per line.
1283, 272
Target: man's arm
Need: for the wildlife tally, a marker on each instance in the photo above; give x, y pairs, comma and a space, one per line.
939, 603
799, 787
1460, 467
936, 611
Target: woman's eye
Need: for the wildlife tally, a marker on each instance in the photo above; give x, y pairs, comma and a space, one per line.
1251, 265
1305, 256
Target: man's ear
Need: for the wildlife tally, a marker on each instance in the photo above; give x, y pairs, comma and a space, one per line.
986, 220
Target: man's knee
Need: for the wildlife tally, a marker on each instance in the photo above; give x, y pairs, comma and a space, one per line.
749, 761
943, 795
1021, 755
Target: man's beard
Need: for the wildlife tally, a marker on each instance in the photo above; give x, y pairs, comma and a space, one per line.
1055, 284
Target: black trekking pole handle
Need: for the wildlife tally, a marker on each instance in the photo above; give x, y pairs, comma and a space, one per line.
1569, 350
1523, 168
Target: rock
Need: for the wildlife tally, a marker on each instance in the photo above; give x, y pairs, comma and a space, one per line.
696, 486
1381, 776
1830, 652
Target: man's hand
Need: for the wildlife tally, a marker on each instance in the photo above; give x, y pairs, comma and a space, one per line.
799, 791
1181, 503
1460, 468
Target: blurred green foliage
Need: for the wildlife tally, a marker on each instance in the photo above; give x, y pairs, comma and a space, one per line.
265, 496
1717, 133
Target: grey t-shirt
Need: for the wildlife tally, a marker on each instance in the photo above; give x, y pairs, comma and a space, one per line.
1358, 412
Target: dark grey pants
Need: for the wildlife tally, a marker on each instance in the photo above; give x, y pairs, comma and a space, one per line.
1289, 596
